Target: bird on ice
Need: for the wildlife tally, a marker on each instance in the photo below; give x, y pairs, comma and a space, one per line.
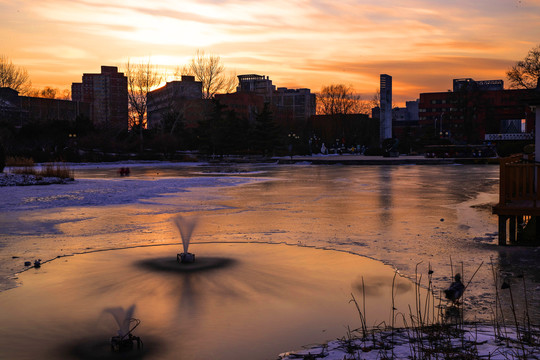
456, 289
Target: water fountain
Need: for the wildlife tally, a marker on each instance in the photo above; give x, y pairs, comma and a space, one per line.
185, 226
125, 340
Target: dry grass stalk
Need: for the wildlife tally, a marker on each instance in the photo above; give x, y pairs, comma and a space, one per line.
50, 170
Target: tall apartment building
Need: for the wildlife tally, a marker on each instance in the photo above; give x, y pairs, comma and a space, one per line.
258, 84
107, 95
174, 96
386, 107
298, 104
290, 106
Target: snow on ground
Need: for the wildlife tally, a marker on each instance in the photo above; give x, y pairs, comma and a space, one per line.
449, 342
98, 191
8, 179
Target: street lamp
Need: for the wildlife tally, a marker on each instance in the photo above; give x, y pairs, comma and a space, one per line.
292, 137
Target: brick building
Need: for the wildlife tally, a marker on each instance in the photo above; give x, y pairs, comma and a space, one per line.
176, 98
291, 107
107, 95
21, 110
474, 109
258, 84
244, 104
294, 105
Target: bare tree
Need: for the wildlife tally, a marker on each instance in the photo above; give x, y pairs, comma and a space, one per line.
209, 70
50, 93
47, 93
13, 76
141, 79
525, 74
376, 99
64, 95
340, 99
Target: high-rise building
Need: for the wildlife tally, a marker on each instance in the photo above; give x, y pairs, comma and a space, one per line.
259, 84
175, 96
107, 95
289, 106
295, 104
386, 107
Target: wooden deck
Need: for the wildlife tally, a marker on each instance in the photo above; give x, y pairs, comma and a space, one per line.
519, 198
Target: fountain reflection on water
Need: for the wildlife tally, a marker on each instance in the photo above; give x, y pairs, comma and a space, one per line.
124, 340
387, 213
266, 299
185, 227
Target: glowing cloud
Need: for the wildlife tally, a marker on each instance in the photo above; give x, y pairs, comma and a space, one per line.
307, 43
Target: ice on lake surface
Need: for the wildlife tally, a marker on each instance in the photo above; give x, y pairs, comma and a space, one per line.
406, 216
237, 301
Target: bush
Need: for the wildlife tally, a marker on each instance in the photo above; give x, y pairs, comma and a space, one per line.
19, 161
50, 170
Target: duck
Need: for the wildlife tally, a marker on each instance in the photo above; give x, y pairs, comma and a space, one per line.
456, 289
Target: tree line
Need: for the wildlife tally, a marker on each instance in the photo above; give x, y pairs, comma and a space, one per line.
221, 131
218, 133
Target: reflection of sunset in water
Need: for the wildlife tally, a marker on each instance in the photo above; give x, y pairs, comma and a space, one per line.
401, 215
264, 299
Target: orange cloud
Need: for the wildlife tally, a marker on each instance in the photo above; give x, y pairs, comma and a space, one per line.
423, 44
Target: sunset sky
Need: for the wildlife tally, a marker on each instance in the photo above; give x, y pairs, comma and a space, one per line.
423, 44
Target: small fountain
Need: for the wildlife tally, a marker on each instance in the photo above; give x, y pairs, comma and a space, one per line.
186, 260
185, 226
125, 340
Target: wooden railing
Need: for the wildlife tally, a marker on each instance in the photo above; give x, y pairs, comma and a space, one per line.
519, 181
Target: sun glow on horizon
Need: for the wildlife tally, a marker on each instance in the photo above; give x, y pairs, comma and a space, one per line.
423, 44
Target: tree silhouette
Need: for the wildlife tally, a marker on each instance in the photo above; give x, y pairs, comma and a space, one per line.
209, 70
340, 99
13, 76
141, 79
266, 133
525, 74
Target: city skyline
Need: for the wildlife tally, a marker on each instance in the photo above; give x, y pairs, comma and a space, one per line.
422, 44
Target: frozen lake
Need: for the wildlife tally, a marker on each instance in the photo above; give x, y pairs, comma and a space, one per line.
409, 217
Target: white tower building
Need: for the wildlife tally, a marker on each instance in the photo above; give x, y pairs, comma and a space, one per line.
386, 107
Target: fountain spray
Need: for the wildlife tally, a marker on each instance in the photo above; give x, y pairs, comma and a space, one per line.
185, 226
125, 339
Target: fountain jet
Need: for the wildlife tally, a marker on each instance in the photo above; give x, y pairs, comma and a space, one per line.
125, 339
185, 226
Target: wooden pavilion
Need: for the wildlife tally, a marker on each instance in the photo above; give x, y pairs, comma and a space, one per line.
519, 193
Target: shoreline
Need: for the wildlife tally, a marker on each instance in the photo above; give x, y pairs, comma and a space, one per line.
458, 340
348, 159
12, 179
9, 179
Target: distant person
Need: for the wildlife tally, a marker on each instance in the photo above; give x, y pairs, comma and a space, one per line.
323, 149
124, 171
